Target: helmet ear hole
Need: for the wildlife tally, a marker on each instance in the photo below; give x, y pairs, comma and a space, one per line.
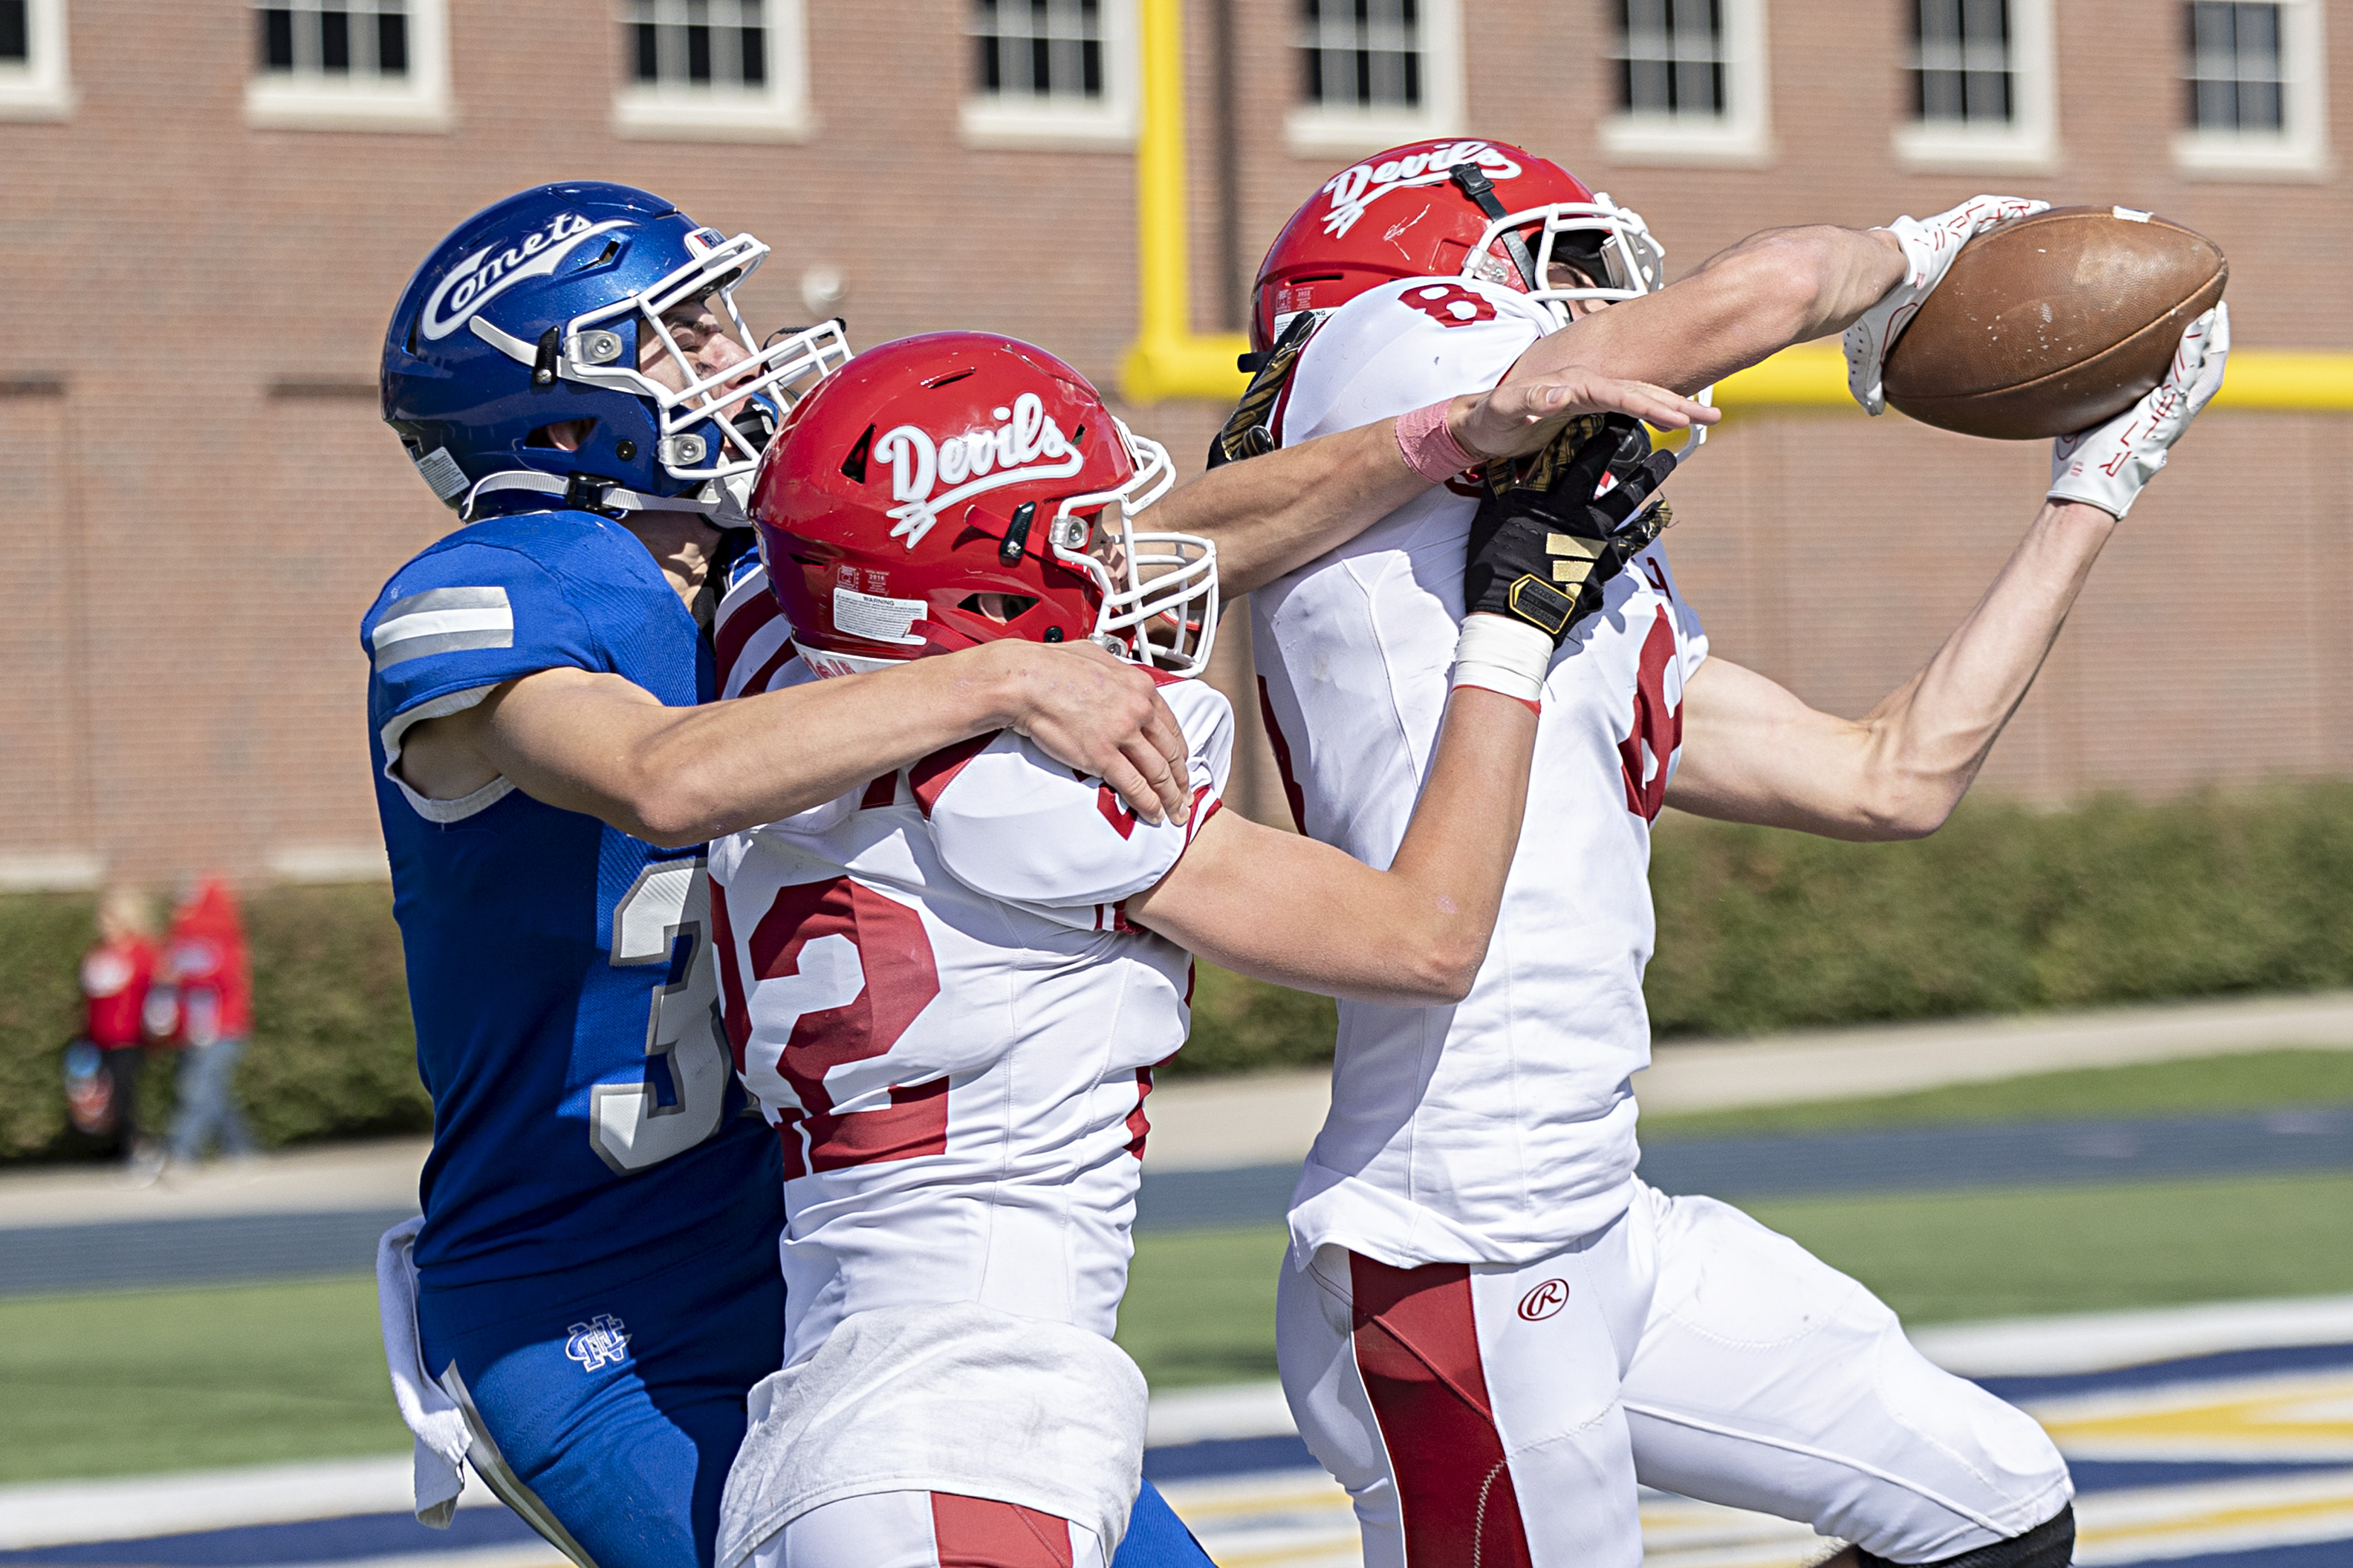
563, 435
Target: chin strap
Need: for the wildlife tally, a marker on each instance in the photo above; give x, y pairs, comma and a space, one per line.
1473, 182
584, 492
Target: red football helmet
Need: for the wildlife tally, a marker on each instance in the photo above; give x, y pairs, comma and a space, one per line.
1442, 209
960, 487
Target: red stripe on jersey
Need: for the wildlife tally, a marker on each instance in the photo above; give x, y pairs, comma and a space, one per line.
1115, 810
733, 1014
1291, 792
788, 1139
1416, 1348
939, 770
1657, 729
880, 794
1139, 1126
738, 628
767, 672
981, 1533
914, 1124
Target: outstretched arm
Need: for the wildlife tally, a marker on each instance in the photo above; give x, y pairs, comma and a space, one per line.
601, 745
1279, 511
1282, 907
1777, 287
1753, 753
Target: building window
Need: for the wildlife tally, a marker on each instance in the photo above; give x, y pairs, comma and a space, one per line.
2254, 88
1961, 62
348, 65
33, 80
698, 44
1690, 81
1362, 54
1671, 56
714, 70
1051, 72
1981, 83
334, 38
1038, 48
2234, 77
1374, 73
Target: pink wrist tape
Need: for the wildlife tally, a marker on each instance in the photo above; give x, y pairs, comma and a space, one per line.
1430, 448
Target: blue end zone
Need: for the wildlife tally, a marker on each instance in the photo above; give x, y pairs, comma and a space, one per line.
340, 1540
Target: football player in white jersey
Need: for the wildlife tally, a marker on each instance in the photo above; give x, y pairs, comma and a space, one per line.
948, 988
1490, 1330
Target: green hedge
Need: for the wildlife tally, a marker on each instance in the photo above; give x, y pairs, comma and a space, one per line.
2008, 908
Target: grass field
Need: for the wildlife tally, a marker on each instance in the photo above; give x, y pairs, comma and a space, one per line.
1200, 1307
124, 1383
172, 1380
2261, 1080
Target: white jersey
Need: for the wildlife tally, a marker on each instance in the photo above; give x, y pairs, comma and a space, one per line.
931, 987
1494, 1131
932, 990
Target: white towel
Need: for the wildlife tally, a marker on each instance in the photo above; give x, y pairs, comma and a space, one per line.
440, 1426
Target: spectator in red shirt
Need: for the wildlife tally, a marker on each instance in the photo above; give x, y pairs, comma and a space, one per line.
115, 976
204, 962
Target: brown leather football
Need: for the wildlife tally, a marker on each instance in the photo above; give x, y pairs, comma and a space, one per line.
2054, 323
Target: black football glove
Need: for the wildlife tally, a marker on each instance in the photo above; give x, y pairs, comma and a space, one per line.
1543, 546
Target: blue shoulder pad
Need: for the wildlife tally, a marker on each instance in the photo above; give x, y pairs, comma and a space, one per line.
461, 617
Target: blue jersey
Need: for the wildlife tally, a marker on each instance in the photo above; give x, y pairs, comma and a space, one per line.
584, 1107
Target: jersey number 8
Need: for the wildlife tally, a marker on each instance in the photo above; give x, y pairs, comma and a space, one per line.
665, 918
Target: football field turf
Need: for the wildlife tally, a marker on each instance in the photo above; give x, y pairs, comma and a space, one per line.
1200, 1305
131, 1381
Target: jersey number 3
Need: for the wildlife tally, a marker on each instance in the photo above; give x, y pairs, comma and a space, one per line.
665, 919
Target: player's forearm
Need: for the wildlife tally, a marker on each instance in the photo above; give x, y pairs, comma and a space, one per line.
1445, 885
1276, 512
1742, 305
1753, 753
1930, 737
725, 767
677, 777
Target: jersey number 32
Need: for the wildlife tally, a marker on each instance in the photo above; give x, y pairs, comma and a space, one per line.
665, 919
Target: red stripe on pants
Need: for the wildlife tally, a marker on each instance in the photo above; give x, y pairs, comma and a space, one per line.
1417, 1352
976, 1533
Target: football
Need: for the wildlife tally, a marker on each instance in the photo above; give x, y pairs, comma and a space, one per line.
2054, 323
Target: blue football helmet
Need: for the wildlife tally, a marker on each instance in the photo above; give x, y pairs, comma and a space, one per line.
546, 310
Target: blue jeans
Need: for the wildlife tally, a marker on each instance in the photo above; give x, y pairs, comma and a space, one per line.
208, 1107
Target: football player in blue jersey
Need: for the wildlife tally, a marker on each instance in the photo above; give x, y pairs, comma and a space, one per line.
595, 1285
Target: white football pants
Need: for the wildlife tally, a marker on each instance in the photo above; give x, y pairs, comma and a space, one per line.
1504, 1413
928, 1530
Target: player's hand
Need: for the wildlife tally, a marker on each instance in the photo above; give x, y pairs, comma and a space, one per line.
1547, 538
1522, 416
1096, 712
1929, 245
2107, 465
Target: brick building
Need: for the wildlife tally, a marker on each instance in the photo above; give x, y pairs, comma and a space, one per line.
211, 207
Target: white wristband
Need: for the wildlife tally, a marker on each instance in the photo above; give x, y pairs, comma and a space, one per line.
1499, 654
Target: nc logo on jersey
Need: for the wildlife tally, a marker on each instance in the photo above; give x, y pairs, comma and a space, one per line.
1544, 1301
602, 1340
1029, 445
496, 268
1354, 190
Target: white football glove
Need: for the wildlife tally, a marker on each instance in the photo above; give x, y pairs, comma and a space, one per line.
2107, 465
1929, 245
